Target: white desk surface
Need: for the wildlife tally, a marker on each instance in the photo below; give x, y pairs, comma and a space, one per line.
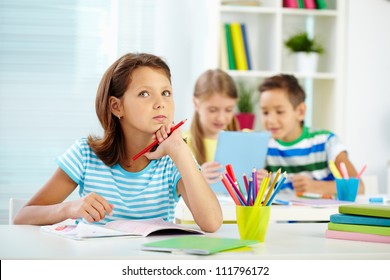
279, 213
300, 241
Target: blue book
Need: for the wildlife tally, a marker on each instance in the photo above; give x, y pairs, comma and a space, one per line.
359, 220
246, 45
243, 150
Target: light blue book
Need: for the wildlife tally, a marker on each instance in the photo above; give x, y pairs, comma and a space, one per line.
359, 220
244, 151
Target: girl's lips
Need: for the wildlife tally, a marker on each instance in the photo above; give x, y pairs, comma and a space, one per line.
160, 118
219, 126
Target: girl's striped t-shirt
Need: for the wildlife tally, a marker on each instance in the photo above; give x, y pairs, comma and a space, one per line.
150, 193
307, 155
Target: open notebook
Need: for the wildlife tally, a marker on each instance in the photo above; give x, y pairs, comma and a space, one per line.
135, 228
243, 150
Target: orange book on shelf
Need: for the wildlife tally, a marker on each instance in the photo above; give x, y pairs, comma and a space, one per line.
238, 46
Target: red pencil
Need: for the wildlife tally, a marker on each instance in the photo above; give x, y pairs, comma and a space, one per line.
155, 142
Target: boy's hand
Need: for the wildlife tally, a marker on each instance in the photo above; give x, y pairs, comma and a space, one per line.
92, 208
302, 183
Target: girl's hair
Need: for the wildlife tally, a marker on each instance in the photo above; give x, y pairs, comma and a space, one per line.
115, 81
289, 84
209, 83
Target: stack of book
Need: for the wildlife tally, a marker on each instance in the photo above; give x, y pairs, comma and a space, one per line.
305, 4
361, 222
235, 53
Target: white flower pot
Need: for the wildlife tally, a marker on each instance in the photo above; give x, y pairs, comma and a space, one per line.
306, 62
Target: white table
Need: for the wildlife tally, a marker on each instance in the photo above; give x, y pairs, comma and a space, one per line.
279, 213
300, 241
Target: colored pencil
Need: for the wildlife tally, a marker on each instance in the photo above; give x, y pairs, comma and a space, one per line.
343, 170
334, 170
155, 142
362, 171
277, 189
230, 190
235, 187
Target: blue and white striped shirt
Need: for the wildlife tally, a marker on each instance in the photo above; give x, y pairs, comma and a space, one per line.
308, 155
150, 193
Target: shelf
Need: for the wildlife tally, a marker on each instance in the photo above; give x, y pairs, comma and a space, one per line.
268, 26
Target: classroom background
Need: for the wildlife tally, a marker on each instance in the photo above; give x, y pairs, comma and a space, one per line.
53, 54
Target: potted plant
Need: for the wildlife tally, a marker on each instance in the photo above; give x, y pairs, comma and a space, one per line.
245, 105
306, 50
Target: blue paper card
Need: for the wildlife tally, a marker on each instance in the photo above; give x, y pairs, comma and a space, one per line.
244, 151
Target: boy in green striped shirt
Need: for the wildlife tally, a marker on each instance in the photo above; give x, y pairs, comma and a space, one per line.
302, 152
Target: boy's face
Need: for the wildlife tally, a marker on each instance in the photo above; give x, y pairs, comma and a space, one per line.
279, 117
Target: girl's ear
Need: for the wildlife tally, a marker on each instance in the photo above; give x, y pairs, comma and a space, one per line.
196, 103
116, 106
301, 111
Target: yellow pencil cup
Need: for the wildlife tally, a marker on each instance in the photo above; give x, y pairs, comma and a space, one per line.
252, 222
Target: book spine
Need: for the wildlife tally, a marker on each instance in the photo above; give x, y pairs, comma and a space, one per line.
246, 46
310, 4
290, 4
238, 46
301, 4
360, 228
321, 4
357, 236
229, 47
223, 57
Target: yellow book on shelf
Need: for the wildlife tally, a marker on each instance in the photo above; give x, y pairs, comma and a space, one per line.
238, 46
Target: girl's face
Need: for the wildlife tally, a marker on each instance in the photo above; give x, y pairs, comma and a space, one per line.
215, 113
148, 101
279, 116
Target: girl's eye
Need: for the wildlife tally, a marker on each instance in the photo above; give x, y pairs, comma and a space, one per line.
143, 94
166, 93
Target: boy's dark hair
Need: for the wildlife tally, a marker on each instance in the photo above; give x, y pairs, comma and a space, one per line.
289, 83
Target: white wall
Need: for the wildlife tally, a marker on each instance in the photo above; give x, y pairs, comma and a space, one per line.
367, 105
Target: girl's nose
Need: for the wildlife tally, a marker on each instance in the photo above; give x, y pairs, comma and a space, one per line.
158, 104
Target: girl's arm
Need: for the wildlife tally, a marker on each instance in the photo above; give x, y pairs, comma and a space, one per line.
196, 193
47, 206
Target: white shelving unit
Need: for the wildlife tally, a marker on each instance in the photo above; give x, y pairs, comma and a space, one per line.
268, 26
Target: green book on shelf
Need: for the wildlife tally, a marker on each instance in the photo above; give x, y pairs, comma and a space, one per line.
229, 47
199, 245
360, 228
366, 210
321, 4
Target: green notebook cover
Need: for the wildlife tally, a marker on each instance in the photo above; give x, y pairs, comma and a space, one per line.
360, 228
200, 245
366, 210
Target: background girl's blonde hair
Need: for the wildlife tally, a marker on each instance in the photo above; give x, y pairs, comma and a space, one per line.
209, 83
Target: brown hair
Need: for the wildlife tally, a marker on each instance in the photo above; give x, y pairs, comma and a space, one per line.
289, 83
111, 148
209, 83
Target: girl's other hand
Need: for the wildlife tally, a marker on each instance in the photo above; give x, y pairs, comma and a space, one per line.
92, 208
211, 171
261, 174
